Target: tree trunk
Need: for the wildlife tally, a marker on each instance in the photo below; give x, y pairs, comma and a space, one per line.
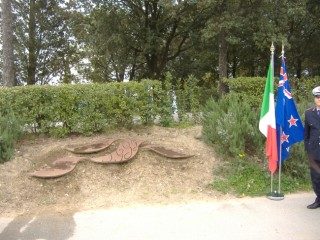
223, 61
32, 60
298, 68
7, 30
67, 76
252, 68
234, 67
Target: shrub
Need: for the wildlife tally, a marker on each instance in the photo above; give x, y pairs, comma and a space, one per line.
10, 131
232, 125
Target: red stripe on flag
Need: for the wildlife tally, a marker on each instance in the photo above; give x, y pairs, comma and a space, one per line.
272, 149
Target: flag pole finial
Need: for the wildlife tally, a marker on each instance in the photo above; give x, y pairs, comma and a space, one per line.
282, 52
272, 48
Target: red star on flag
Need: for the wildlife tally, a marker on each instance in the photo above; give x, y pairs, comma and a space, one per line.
293, 121
284, 138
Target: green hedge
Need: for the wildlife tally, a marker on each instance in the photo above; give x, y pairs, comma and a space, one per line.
88, 108
249, 88
302, 88
252, 88
93, 107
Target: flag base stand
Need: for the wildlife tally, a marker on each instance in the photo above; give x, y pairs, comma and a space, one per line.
276, 196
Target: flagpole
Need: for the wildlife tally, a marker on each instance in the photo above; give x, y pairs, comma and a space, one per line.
277, 195
280, 164
274, 195
272, 48
280, 196
280, 148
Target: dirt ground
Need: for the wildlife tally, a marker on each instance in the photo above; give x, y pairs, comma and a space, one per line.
147, 179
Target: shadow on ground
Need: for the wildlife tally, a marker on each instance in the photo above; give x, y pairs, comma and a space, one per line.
49, 227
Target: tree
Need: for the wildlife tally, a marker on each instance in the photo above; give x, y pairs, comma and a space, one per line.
140, 37
7, 34
222, 25
32, 48
302, 30
46, 48
243, 31
117, 40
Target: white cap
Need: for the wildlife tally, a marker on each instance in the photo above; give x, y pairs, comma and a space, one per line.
316, 91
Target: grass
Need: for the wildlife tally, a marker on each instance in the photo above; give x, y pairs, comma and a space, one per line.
244, 176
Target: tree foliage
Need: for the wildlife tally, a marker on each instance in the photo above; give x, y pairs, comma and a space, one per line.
45, 47
139, 38
116, 40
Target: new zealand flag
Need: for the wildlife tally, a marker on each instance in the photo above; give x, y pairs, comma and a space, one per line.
289, 126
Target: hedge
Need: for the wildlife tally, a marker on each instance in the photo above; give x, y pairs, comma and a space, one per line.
252, 88
86, 108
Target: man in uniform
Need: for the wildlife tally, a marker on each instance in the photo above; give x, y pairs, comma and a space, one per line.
312, 144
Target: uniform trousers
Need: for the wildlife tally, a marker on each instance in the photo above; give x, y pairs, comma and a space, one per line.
315, 178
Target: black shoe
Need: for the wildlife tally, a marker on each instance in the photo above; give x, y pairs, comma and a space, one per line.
314, 205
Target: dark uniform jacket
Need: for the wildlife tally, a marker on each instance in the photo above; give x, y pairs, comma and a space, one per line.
312, 133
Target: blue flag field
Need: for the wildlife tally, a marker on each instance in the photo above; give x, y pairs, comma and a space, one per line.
289, 125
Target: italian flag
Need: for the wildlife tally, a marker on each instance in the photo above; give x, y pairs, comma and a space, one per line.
267, 123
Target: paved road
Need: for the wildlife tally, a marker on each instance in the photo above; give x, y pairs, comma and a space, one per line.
235, 219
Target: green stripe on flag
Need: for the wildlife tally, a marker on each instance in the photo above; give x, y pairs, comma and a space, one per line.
267, 91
